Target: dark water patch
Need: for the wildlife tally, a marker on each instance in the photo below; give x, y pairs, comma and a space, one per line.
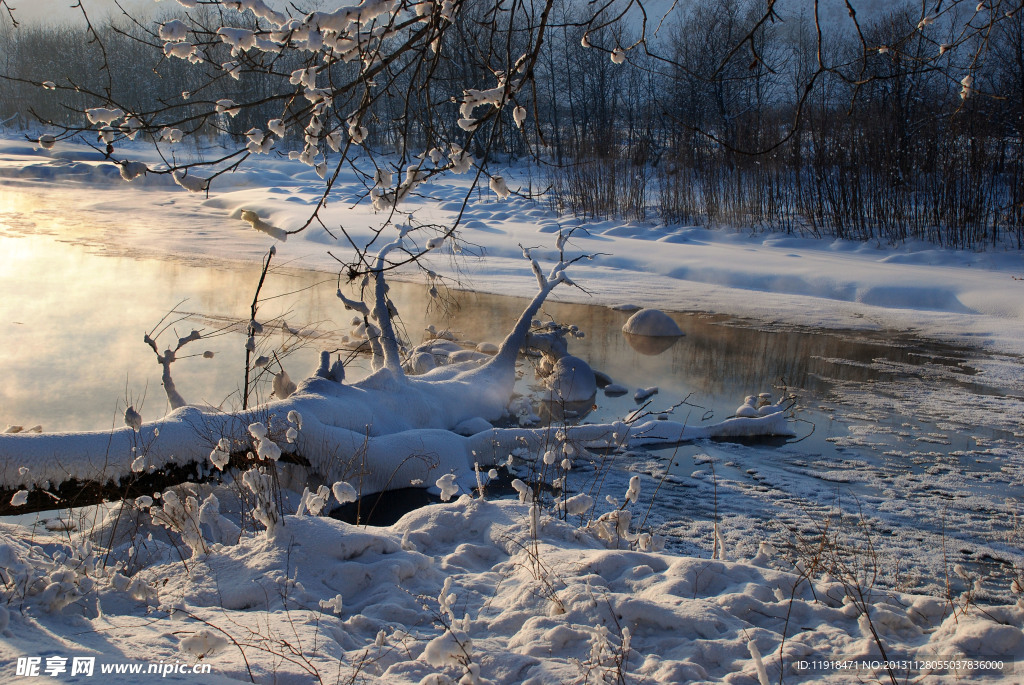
383, 508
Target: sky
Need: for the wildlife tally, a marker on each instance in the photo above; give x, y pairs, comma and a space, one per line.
63, 11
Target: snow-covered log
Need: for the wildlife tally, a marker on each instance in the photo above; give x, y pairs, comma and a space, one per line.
386, 421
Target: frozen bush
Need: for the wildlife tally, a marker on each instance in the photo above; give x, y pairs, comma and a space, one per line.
182, 517
265, 511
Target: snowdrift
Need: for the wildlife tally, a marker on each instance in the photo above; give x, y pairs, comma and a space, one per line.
471, 591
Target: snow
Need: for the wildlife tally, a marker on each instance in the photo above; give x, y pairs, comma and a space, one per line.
493, 591
463, 587
448, 487
132, 418
572, 380
643, 394
344, 492
651, 322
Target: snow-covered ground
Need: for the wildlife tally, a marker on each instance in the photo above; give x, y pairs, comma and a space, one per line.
470, 588
493, 591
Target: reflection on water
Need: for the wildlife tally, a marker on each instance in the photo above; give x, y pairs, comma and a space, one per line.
651, 345
75, 321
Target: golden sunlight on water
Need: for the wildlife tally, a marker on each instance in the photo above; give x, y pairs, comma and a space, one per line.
75, 309
73, 350
74, 312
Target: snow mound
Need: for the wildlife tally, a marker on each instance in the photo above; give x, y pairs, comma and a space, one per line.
473, 426
652, 322
487, 348
615, 390
454, 588
572, 380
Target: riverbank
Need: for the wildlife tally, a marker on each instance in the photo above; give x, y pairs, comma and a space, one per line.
967, 298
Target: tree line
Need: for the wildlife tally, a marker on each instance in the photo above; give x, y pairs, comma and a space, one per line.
892, 129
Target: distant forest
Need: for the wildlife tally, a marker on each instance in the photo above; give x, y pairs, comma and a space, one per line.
883, 144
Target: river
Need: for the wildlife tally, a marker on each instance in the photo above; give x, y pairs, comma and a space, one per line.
915, 443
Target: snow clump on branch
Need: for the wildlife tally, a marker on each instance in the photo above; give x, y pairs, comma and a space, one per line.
173, 31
